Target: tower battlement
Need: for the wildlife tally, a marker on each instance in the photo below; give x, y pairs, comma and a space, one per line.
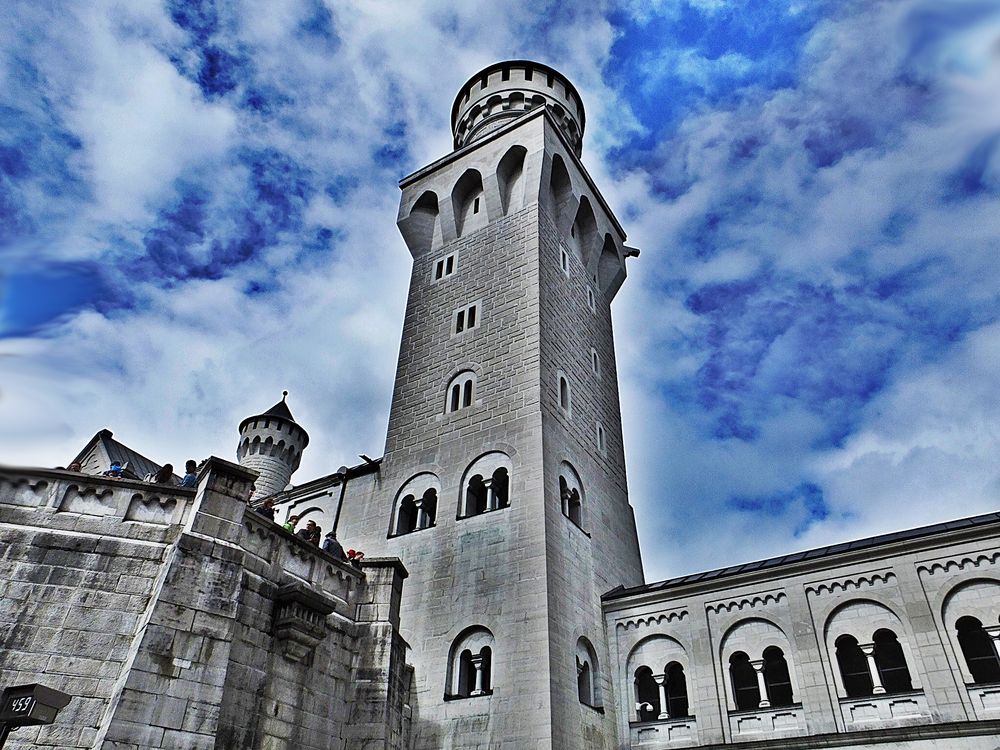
503, 91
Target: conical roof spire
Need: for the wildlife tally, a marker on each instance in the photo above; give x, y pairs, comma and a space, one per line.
281, 409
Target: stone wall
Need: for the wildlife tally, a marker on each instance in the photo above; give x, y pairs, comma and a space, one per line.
918, 588
202, 625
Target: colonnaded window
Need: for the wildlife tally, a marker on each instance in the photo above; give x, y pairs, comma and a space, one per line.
571, 494
777, 680
486, 485
875, 668
415, 507
470, 664
647, 695
461, 392
587, 675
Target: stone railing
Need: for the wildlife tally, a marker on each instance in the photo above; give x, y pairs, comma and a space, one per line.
664, 733
71, 501
763, 723
878, 711
985, 700
276, 554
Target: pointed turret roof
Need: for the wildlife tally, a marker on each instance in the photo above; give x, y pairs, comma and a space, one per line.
281, 409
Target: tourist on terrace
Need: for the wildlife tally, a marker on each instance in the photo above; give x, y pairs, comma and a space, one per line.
163, 476
334, 547
190, 474
266, 509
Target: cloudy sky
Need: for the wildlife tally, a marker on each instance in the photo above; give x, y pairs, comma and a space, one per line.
197, 206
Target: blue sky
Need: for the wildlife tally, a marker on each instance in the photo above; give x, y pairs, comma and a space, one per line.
197, 206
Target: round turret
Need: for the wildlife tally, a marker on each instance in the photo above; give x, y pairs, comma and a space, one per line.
271, 444
497, 94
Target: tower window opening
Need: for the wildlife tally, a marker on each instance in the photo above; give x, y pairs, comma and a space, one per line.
595, 362
564, 261
505, 74
572, 502
475, 206
590, 300
466, 318
482, 82
601, 440
461, 391
528, 73
564, 395
487, 485
444, 267
548, 80
470, 665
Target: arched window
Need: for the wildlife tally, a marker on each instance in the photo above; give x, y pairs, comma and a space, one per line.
601, 440
776, 677
572, 504
595, 361
853, 667
461, 391
415, 507
647, 695
675, 685
470, 665
486, 486
564, 395
977, 648
587, 684
891, 662
746, 692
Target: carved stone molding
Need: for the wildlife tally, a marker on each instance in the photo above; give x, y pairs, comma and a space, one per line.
300, 620
853, 583
657, 619
747, 602
958, 564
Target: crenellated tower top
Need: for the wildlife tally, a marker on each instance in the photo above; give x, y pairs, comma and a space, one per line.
501, 92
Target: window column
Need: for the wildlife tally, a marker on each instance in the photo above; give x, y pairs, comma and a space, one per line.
758, 668
868, 649
661, 683
421, 514
477, 663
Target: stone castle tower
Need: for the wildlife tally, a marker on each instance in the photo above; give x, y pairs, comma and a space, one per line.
271, 444
503, 486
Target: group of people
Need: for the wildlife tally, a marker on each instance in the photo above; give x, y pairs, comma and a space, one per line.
165, 475
313, 534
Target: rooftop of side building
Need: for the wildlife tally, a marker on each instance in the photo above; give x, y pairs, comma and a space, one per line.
866, 543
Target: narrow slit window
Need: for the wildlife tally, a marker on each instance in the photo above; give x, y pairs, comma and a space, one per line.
439, 270
460, 321
467, 394
505, 74
472, 316
563, 393
455, 394
564, 261
528, 72
548, 81
590, 300
449, 264
595, 362
601, 441
475, 206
